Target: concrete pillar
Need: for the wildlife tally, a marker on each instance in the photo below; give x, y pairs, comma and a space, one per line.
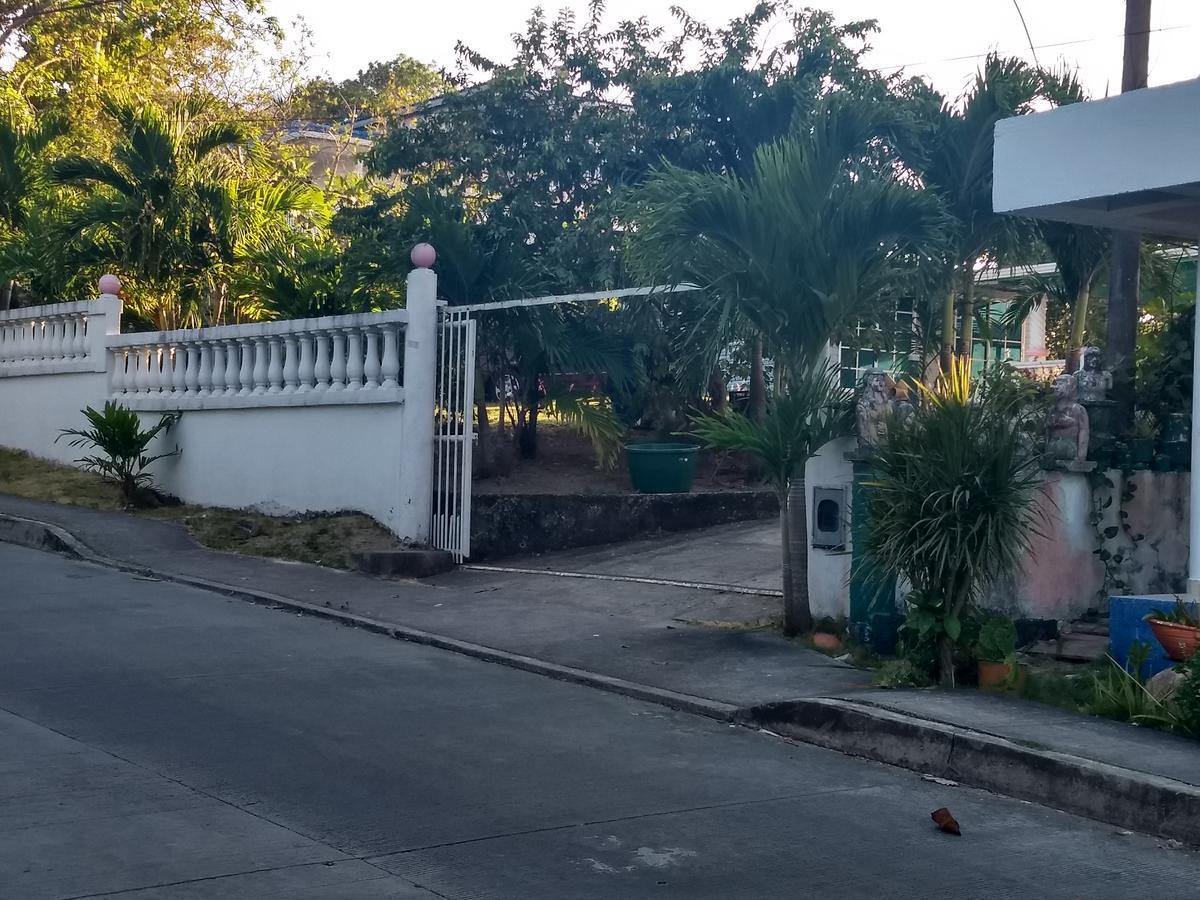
1194, 510
420, 380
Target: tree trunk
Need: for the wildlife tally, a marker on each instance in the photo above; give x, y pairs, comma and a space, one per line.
966, 334
485, 448
946, 662
797, 613
1122, 323
947, 353
6, 297
718, 394
527, 434
1078, 328
758, 382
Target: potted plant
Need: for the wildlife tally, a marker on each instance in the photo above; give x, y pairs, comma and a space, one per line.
1141, 440
1178, 630
996, 651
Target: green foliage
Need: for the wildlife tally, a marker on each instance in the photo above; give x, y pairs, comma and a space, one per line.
951, 505
1187, 698
1180, 614
900, 673
997, 641
1119, 692
807, 241
383, 88
117, 433
813, 410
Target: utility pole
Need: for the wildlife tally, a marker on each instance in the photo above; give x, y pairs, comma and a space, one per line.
1123, 278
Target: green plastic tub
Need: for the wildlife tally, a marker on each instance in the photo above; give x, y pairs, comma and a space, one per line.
662, 467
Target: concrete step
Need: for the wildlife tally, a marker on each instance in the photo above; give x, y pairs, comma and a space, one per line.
1072, 647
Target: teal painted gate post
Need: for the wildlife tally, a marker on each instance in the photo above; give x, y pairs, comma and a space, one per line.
874, 620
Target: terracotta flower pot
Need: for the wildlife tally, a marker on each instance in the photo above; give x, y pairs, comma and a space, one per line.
993, 675
1178, 641
830, 642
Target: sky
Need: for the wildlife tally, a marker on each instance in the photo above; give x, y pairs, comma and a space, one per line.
942, 40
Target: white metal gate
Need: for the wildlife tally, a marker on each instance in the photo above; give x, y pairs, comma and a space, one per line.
454, 432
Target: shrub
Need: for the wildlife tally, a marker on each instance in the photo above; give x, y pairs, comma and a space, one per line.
117, 433
951, 505
1187, 697
997, 640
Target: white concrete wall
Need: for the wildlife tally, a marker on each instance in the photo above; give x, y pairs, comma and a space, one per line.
284, 460
34, 409
288, 446
829, 570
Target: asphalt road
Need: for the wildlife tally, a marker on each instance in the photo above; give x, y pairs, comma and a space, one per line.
162, 742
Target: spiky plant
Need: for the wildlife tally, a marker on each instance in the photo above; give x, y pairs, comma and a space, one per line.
951, 505
117, 434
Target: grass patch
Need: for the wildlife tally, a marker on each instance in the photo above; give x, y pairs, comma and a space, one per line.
323, 539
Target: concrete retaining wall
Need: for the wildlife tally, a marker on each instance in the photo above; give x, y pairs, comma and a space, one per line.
514, 524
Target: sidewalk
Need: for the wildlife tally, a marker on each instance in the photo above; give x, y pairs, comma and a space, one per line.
635, 632
633, 638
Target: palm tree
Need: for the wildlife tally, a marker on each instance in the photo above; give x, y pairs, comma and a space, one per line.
957, 165
152, 212
1079, 253
814, 411
825, 223
22, 178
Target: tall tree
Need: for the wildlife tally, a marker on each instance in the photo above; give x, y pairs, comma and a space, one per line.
22, 182
152, 211
958, 167
823, 225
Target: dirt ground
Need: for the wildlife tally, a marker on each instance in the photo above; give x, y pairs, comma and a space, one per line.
314, 538
566, 464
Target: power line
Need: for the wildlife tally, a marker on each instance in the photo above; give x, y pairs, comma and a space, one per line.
930, 62
1028, 36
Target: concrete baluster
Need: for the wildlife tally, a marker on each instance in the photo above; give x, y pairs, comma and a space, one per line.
191, 375
391, 357
307, 365
178, 369
354, 359
246, 370
337, 367
371, 367
79, 345
291, 364
275, 366
260, 366
321, 366
120, 358
231, 367
218, 369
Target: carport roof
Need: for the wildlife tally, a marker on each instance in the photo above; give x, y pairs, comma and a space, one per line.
1129, 162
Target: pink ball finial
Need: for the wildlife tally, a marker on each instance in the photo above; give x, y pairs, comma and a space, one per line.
110, 284
423, 256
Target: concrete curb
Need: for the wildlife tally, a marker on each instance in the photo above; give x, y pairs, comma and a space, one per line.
1124, 797
44, 536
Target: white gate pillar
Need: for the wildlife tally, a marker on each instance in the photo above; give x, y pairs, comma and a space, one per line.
420, 379
1194, 476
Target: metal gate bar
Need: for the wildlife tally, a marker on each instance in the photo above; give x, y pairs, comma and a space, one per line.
454, 433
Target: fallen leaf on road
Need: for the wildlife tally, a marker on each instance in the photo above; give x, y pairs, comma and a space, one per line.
945, 821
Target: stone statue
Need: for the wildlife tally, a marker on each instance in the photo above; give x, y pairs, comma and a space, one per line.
1093, 381
1067, 430
872, 408
903, 406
